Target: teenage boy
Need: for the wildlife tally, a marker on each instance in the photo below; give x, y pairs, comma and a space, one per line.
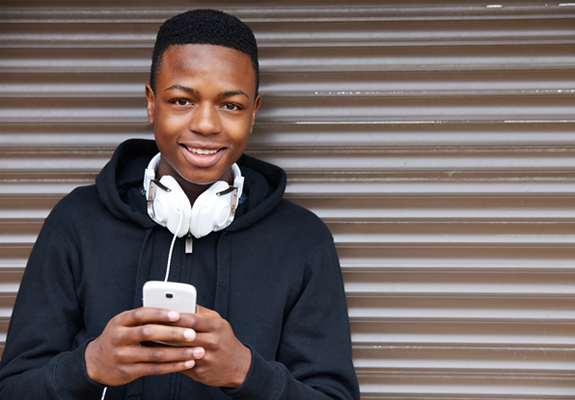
272, 320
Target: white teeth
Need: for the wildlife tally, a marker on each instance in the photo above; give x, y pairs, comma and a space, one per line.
202, 151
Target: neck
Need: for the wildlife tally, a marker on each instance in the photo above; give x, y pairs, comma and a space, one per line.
191, 189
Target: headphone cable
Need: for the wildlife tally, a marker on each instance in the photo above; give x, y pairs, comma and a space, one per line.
172, 246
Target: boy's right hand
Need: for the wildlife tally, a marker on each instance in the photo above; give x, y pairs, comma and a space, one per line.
117, 357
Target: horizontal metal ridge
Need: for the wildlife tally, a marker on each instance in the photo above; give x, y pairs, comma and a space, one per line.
446, 293
277, 135
376, 164
382, 215
287, 11
315, 189
472, 347
420, 187
553, 108
513, 358
448, 321
352, 90
457, 316
303, 59
273, 33
447, 373
389, 264
455, 240
340, 84
54, 189
496, 333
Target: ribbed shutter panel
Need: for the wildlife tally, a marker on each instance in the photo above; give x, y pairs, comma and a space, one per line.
436, 140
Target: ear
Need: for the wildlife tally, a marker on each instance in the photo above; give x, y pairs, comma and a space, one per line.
257, 104
151, 101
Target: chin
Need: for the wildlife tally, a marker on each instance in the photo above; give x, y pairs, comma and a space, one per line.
200, 182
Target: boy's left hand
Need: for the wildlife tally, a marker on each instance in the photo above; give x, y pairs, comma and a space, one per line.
226, 361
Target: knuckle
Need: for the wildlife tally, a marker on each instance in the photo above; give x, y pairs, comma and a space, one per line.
119, 353
175, 334
160, 314
188, 319
211, 313
212, 342
155, 355
124, 370
200, 373
146, 332
220, 325
186, 353
138, 314
116, 338
156, 369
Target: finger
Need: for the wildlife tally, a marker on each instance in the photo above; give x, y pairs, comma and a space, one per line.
208, 341
203, 311
158, 354
145, 369
204, 320
164, 333
146, 315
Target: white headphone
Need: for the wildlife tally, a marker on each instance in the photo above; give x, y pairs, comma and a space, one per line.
169, 206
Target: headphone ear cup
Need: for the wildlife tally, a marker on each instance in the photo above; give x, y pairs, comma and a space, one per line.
211, 212
171, 207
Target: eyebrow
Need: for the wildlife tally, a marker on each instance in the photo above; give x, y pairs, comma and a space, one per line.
184, 88
194, 91
235, 93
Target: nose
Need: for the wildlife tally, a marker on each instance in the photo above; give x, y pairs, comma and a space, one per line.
205, 120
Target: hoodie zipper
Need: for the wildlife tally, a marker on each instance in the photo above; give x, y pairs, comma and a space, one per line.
189, 243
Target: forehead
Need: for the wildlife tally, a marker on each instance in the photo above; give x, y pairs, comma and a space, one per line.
206, 61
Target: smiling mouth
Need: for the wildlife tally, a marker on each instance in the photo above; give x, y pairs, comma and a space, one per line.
201, 152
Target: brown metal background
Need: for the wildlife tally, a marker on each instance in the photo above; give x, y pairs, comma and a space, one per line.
437, 140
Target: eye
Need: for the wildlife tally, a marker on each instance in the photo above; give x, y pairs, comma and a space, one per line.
181, 102
232, 107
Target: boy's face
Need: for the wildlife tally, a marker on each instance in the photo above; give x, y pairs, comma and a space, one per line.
203, 111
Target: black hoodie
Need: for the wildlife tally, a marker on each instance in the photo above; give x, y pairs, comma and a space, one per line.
273, 274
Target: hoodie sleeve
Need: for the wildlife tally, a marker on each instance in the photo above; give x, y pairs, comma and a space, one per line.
314, 359
41, 359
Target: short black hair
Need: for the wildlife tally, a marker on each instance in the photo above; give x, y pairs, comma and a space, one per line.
205, 26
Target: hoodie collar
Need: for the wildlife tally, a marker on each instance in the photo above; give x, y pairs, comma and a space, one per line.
123, 176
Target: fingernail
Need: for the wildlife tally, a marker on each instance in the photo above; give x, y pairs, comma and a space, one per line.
198, 352
174, 315
190, 364
190, 334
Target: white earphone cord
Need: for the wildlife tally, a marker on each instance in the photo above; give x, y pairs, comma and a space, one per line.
172, 247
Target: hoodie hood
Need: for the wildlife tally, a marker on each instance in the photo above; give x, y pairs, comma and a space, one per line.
120, 185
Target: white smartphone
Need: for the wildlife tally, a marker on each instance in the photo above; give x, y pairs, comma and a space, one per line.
174, 296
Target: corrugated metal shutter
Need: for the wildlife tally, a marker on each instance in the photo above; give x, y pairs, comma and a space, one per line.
436, 140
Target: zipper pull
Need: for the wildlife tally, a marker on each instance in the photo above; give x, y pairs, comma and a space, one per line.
189, 243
